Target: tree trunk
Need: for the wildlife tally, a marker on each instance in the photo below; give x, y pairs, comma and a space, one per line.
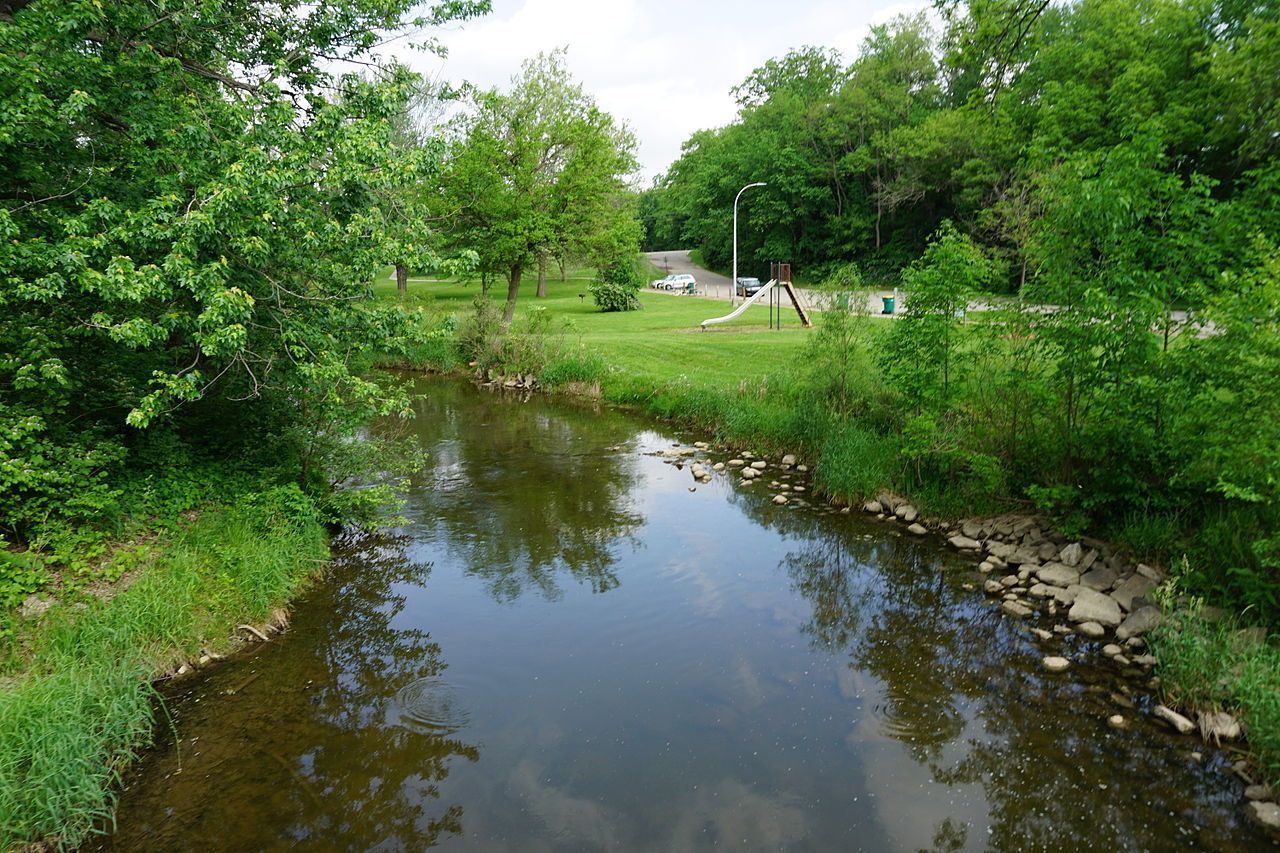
513, 290
542, 276
560, 261
402, 280
484, 284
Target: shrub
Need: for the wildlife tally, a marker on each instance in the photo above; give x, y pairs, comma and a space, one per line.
611, 296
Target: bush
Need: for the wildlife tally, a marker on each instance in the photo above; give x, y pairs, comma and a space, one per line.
614, 297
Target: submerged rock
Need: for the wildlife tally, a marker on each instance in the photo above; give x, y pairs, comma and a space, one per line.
1016, 608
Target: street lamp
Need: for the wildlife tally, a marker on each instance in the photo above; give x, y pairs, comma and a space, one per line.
733, 285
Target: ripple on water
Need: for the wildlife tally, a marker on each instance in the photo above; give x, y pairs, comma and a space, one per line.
431, 706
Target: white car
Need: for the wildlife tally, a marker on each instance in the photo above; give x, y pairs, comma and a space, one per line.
683, 283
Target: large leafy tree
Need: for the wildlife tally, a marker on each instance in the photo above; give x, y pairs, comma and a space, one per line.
538, 172
187, 214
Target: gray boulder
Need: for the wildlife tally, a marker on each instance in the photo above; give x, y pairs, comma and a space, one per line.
1071, 555
1140, 621
1101, 579
964, 543
1092, 606
1057, 574
1135, 586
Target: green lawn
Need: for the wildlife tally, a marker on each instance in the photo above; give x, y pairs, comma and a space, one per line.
661, 342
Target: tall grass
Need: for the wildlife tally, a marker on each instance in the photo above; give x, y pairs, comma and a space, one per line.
1210, 663
82, 703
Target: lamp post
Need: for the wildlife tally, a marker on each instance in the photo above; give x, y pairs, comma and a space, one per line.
733, 285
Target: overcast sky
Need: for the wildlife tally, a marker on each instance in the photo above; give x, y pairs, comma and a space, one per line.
665, 67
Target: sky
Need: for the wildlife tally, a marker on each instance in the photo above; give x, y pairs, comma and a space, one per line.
665, 67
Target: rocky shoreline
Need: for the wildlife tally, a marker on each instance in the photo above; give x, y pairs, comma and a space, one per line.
1086, 587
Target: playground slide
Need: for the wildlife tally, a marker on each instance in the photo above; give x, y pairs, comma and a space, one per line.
736, 312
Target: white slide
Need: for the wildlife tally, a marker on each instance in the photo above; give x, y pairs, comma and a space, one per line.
733, 315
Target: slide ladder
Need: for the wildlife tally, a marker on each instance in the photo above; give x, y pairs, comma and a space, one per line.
746, 303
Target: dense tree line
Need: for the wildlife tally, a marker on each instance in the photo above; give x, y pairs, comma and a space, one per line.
1114, 164
987, 127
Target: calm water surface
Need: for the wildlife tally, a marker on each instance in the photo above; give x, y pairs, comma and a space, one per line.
565, 648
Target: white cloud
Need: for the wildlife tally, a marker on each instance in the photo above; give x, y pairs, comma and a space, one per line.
665, 67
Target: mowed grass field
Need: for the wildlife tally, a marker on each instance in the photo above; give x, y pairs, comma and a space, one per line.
660, 343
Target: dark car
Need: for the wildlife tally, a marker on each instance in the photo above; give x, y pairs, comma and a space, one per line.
748, 286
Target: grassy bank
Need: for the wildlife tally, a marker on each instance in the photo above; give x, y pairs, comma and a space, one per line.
830, 395
79, 702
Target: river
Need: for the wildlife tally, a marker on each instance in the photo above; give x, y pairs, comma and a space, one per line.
570, 645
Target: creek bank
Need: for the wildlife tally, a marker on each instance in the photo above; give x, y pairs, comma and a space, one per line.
1086, 587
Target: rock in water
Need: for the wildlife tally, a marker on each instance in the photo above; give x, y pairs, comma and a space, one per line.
1091, 629
1014, 608
1057, 574
907, 513
1092, 606
917, 529
872, 507
1116, 721
964, 543
779, 499
1173, 718
1053, 663
1267, 814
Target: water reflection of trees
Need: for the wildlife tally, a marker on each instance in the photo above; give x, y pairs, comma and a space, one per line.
524, 492
311, 752
964, 695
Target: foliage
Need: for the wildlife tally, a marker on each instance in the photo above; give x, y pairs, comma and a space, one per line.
921, 354
537, 172
82, 703
189, 217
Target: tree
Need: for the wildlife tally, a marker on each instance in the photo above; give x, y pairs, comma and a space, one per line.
186, 216
537, 172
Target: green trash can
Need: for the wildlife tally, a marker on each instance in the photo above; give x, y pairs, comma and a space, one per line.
888, 304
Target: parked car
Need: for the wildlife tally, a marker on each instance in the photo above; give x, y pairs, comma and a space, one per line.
682, 282
661, 283
749, 286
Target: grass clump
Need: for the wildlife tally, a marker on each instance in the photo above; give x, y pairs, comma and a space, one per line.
81, 703
1209, 662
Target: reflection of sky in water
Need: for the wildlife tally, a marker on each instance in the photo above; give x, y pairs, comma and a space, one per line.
603, 659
